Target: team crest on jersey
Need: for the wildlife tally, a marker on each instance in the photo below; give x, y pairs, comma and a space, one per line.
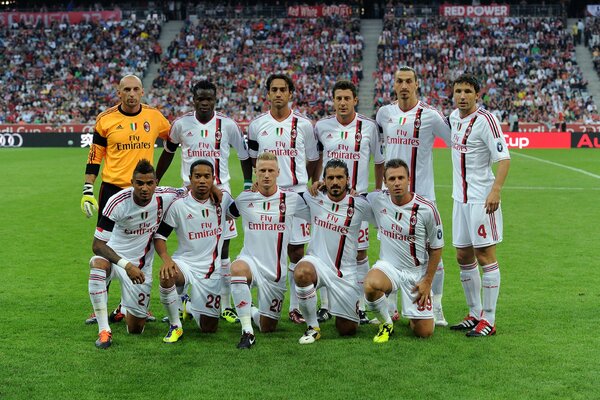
413, 220
358, 136
147, 126
335, 207
344, 135
266, 206
293, 134
282, 208
279, 131
218, 135
205, 213
203, 133
417, 123
499, 147
189, 216
350, 212
401, 120
144, 215
133, 126
219, 211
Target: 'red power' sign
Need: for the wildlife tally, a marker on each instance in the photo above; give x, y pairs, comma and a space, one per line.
525, 140
475, 11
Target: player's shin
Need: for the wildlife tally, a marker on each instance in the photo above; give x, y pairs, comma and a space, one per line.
380, 308
170, 299
307, 299
99, 297
491, 288
471, 283
242, 298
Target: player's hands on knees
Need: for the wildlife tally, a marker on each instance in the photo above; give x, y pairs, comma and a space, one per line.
423, 290
88, 201
168, 270
492, 202
135, 274
315, 187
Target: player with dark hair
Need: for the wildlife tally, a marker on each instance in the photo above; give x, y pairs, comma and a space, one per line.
123, 135
411, 234
290, 136
409, 129
204, 133
200, 224
123, 249
477, 142
354, 138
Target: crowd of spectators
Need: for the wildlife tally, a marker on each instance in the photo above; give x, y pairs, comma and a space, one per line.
526, 65
239, 54
67, 73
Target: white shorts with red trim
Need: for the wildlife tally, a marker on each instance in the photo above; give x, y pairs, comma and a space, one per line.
472, 226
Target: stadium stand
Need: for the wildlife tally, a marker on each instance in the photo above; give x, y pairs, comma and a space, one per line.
239, 54
73, 68
527, 64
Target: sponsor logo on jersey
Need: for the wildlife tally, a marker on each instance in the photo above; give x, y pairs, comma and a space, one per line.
189, 134
329, 136
266, 206
384, 211
251, 205
401, 120
133, 126
120, 126
190, 216
147, 126
264, 133
204, 133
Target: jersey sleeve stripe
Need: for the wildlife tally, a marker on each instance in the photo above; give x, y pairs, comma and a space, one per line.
108, 210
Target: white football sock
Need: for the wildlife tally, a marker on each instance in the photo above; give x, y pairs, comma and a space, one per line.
170, 299
362, 268
225, 283
307, 299
437, 286
242, 298
491, 289
380, 307
99, 297
324, 298
292, 283
471, 283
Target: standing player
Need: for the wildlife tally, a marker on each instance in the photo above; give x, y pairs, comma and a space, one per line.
123, 249
411, 236
409, 130
355, 139
123, 135
200, 225
267, 216
477, 142
207, 134
290, 136
336, 218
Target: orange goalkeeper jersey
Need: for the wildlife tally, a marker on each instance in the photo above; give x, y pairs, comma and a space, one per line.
122, 139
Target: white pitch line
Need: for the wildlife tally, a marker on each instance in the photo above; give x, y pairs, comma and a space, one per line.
581, 171
536, 187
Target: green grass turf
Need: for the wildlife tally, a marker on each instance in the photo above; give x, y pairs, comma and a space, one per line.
546, 347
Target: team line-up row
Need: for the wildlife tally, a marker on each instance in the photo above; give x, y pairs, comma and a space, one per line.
290, 154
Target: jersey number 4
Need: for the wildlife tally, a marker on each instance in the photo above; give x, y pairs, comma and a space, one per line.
481, 231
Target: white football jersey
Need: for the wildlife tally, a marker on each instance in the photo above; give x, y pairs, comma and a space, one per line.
211, 141
291, 140
405, 231
354, 143
199, 226
409, 136
334, 230
130, 227
267, 225
477, 142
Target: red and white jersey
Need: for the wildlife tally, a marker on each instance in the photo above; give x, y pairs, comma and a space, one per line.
334, 230
199, 225
267, 225
211, 141
477, 142
291, 140
354, 143
128, 228
405, 231
409, 136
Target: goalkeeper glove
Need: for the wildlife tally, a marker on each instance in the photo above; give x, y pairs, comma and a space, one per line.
88, 201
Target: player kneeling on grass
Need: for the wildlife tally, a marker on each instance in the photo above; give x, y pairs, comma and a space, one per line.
336, 218
411, 234
199, 223
128, 222
267, 217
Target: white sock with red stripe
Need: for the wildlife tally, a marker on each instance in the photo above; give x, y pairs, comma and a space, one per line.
471, 283
292, 283
242, 298
99, 297
170, 299
380, 307
437, 286
362, 268
324, 298
491, 289
225, 283
307, 301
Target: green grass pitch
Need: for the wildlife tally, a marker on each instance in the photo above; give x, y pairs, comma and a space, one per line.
547, 346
